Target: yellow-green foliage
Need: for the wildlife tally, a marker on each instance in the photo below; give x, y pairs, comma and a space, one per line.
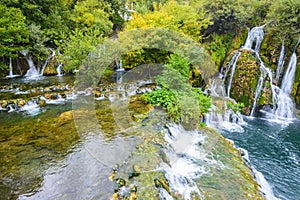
172, 15
91, 14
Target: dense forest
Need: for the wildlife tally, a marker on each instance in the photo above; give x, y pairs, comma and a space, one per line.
75, 27
71, 29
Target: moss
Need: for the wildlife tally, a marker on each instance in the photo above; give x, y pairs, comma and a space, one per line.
234, 177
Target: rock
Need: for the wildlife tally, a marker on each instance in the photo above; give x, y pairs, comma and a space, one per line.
42, 103
96, 93
3, 103
136, 171
21, 103
54, 96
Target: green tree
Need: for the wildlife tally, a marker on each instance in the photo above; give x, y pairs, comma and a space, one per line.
286, 16
77, 45
13, 30
180, 17
229, 15
51, 16
91, 14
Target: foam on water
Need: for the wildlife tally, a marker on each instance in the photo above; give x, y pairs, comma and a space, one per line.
185, 154
265, 187
31, 108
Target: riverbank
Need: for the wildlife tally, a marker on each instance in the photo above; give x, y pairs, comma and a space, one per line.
31, 146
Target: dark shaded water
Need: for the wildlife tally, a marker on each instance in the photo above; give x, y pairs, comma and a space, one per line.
274, 150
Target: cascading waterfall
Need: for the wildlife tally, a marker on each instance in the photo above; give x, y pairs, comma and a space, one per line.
254, 39
32, 71
265, 72
255, 36
253, 43
119, 71
231, 65
280, 63
183, 156
220, 117
281, 101
285, 106
47, 61
10, 74
58, 70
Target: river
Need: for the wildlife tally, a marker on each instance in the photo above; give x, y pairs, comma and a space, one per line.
274, 150
43, 157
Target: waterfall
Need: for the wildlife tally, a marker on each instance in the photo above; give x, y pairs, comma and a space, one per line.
32, 71
10, 67
119, 66
10, 74
255, 36
119, 71
285, 106
265, 72
58, 70
220, 117
280, 63
184, 155
231, 65
288, 79
47, 61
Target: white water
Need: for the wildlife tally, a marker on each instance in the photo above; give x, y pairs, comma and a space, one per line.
119, 65
10, 68
184, 157
280, 63
265, 187
285, 106
32, 71
231, 65
265, 73
220, 117
31, 108
59, 70
254, 38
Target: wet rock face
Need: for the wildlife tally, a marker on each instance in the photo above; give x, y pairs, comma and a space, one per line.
297, 97
245, 81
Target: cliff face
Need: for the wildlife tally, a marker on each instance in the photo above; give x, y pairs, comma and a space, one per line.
243, 83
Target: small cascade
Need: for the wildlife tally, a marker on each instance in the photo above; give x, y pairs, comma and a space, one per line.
254, 38
220, 117
184, 156
119, 66
119, 71
10, 68
10, 74
59, 70
47, 61
231, 65
32, 71
280, 63
265, 73
285, 106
